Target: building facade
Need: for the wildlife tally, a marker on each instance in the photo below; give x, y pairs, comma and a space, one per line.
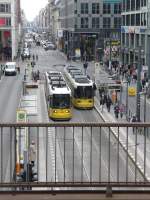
87, 24
55, 22
135, 32
10, 28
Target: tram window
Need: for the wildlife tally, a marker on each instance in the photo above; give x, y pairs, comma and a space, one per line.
61, 101
84, 92
88, 92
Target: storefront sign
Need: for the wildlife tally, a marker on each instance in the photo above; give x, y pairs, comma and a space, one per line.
132, 29
2, 21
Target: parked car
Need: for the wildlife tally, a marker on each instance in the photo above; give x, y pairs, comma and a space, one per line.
10, 68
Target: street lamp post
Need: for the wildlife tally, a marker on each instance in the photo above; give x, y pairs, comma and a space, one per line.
144, 111
110, 67
138, 86
145, 106
126, 98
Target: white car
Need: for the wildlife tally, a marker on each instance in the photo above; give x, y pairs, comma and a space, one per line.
10, 69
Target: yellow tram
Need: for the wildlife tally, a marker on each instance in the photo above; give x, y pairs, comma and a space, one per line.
58, 96
81, 86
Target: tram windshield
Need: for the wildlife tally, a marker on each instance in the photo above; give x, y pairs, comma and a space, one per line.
61, 101
84, 92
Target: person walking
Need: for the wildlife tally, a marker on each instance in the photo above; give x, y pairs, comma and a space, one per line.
22, 57
18, 69
102, 102
133, 120
32, 153
116, 111
85, 66
122, 110
108, 103
33, 57
37, 57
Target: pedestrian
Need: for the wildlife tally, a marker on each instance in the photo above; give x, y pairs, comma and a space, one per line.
85, 66
108, 103
3, 69
94, 88
122, 110
33, 57
38, 75
143, 83
128, 79
32, 153
133, 120
22, 57
116, 111
18, 69
33, 64
37, 57
102, 103
29, 56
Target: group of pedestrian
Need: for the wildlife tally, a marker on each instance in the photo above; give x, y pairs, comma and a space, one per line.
129, 73
36, 75
105, 100
119, 109
35, 57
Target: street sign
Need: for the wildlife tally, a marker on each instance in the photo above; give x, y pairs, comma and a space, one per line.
21, 116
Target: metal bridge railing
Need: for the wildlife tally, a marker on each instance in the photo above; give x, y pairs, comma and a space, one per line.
74, 155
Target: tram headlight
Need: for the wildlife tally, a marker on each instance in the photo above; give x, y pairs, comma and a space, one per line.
54, 111
67, 111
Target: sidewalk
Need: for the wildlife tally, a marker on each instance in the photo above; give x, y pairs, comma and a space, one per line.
135, 141
135, 147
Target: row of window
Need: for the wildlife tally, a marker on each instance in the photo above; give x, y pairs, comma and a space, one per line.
96, 8
5, 21
133, 40
131, 5
96, 22
5, 8
139, 19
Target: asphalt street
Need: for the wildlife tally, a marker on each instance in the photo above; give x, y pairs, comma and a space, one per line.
11, 89
54, 60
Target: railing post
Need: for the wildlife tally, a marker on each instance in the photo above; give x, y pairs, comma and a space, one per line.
108, 191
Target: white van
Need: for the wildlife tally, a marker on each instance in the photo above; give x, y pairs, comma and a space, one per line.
10, 68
